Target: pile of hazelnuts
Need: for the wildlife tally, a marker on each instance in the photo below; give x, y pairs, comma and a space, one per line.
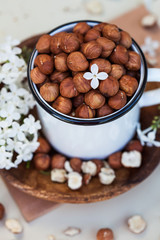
63, 59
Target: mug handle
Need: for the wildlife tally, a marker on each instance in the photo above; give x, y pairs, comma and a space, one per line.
152, 97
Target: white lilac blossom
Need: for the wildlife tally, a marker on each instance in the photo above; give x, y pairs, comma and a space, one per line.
147, 136
18, 132
150, 46
95, 76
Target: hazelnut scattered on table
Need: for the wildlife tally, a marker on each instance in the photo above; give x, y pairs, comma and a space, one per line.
136, 224
105, 234
64, 58
13, 225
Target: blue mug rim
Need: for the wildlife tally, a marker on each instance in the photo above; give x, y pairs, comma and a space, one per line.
91, 121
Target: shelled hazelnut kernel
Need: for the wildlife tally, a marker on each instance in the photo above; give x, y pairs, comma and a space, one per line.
65, 57
41, 161
94, 99
67, 88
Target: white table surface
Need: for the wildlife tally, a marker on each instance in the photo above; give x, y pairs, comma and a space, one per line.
22, 19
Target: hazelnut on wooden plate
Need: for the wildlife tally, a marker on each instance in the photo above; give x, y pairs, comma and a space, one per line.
114, 160
132, 159
58, 175
76, 164
44, 146
107, 175
89, 167
58, 161
74, 180
41, 161
134, 145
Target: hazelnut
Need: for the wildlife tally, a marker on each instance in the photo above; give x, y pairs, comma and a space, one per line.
103, 65
84, 111
44, 63
78, 100
87, 178
41, 161
60, 62
134, 145
44, 146
36, 76
132, 159
80, 38
74, 181
13, 225
105, 234
107, 175
76, 164
58, 161
134, 62
94, 99
128, 84
117, 71
91, 49
43, 44
58, 175
67, 167
55, 46
63, 105
104, 111
109, 86
81, 84
81, 27
2, 210
49, 91
72, 231
132, 73
99, 164
107, 46
125, 40
114, 160
67, 88
70, 43
111, 32
136, 224
91, 35
99, 26
58, 77
77, 62
119, 55
118, 101
149, 21
89, 167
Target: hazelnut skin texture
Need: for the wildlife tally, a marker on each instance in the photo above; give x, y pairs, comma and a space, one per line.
36, 76
128, 84
134, 62
134, 145
94, 99
107, 46
58, 161
86, 178
82, 85
104, 111
118, 101
84, 111
91, 49
99, 26
58, 77
70, 43
80, 37
77, 101
109, 87
43, 44
111, 32
76, 164
63, 105
105, 234
67, 88
2, 211
114, 160
41, 161
125, 40
99, 164
103, 65
77, 62
49, 91
60, 62
117, 71
44, 63
81, 27
119, 55
55, 46
44, 146
91, 35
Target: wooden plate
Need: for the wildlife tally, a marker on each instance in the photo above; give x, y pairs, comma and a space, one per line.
39, 185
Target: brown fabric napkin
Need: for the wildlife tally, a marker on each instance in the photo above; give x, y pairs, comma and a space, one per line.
32, 207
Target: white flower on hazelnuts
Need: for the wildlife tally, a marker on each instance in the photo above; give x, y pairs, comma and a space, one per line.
95, 76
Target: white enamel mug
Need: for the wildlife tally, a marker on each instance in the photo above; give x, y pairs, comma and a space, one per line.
97, 137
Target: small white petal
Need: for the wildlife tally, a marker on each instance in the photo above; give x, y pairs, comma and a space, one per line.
88, 75
94, 69
102, 75
94, 83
